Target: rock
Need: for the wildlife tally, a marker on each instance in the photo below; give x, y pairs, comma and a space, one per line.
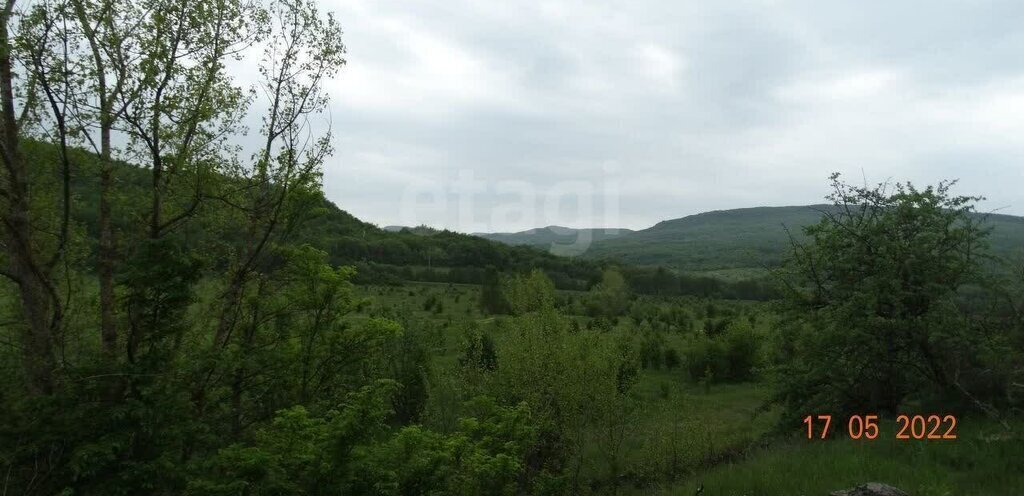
870, 489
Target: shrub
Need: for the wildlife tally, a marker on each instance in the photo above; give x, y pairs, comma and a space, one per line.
705, 354
731, 356
671, 359
742, 346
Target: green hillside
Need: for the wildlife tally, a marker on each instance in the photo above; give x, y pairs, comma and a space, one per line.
380, 255
747, 239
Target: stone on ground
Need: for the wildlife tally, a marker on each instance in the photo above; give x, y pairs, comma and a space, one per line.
870, 489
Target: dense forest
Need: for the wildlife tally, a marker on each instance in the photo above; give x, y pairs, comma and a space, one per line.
182, 316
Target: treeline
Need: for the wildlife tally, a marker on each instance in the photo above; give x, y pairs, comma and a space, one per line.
388, 274
641, 280
445, 256
661, 281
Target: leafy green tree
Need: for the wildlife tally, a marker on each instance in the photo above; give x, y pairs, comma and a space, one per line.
175, 373
533, 292
303, 50
479, 351
32, 256
873, 299
486, 454
410, 368
706, 356
299, 453
492, 300
575, 383
610, 297
742, 350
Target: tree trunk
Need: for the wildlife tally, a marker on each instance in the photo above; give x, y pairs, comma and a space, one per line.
106, 250
40, 310
157, 199
107, 253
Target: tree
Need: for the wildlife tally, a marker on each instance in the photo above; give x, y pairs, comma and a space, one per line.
82, 88
281, 185
150, 70
576, 383
533, 292
30, 262
610, 297
479, 351
303, 50
79, 76
492, 301
873, 298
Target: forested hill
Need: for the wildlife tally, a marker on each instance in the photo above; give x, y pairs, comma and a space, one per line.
380, 255
432, 255
748, 238
716, 240
390, 255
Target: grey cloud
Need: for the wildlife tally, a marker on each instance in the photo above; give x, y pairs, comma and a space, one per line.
682, 106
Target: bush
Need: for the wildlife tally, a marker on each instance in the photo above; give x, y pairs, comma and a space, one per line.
875, 302
705, 354
672, 359
742, 346
479, 351
731, 356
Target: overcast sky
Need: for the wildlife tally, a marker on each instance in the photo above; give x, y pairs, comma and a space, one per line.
505, 115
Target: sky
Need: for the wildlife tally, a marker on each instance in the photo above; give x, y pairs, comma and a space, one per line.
487, 116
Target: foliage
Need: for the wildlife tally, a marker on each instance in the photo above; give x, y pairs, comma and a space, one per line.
531, 292
352, 451
410, 368
875, 313
574, 382
492, 300
479, 352
610, 297
485, 455
731, 356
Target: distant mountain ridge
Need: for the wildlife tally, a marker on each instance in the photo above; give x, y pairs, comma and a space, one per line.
743, 238
564, 241
742, 241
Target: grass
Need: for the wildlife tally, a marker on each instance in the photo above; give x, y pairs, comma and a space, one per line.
985, 460
681, 427
736, 274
